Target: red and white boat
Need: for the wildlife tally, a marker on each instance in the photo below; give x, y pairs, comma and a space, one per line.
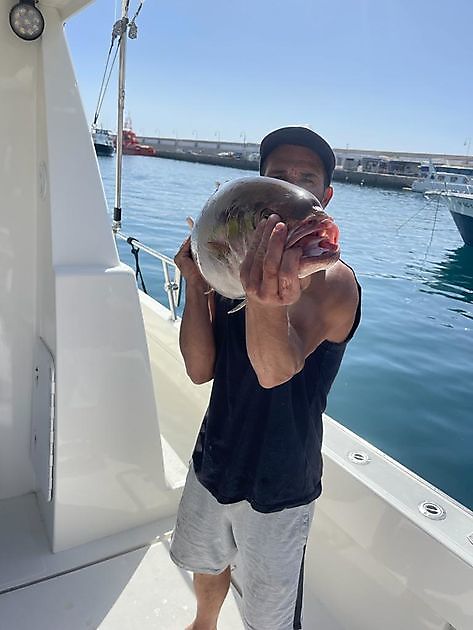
131, 146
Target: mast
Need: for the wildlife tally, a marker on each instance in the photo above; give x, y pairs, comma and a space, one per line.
122, 27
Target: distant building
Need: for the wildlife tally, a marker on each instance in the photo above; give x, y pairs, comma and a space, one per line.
390, 166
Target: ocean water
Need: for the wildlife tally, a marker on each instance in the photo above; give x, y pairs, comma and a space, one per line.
406, 382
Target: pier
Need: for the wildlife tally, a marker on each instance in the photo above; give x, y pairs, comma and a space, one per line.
383, 169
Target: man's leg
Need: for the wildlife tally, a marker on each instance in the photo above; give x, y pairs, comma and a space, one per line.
271, 556
203, 543
210, 592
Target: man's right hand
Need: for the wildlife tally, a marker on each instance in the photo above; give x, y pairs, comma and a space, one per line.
187, 266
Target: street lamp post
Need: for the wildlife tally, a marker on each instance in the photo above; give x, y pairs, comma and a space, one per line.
467, 143
243, 135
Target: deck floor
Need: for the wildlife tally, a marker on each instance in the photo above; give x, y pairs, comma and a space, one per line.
139, 590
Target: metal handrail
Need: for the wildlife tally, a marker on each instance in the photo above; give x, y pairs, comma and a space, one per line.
172, 287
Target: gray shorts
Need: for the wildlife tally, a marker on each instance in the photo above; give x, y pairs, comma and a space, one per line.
270, 549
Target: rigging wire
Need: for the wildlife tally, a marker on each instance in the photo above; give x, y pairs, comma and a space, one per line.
434, 223
117, 33
409, 219
140, 6
104, 90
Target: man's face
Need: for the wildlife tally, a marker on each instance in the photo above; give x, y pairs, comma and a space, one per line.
301, 166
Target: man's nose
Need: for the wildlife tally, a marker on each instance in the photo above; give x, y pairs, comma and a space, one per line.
292, 176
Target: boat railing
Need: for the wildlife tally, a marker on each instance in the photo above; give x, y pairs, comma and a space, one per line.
172, 285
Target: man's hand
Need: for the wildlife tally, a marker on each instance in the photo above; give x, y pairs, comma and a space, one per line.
269, 273
187, 266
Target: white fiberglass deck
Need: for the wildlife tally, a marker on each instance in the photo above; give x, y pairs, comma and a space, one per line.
136, 590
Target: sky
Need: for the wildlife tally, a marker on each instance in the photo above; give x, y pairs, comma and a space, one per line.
367, 74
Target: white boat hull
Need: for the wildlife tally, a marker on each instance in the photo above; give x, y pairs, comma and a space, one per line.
461, 209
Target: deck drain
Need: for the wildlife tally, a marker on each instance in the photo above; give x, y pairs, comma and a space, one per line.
432, 510
359, 457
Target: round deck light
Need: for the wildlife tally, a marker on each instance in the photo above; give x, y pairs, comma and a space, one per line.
26, 20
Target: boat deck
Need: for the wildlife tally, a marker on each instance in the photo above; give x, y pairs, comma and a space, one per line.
141, 588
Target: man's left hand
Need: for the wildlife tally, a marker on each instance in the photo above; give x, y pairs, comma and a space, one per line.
269, 273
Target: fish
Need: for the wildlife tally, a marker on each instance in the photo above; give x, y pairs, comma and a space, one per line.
223, 231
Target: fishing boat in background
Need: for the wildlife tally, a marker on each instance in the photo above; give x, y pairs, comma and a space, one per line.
131, 146
99, 418
103, 142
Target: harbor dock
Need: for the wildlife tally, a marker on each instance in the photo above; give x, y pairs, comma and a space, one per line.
380, 180
382, 169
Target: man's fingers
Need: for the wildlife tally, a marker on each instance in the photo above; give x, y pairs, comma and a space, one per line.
186, 245
272, 259
256, 272
190, 222
289, 283
247, 263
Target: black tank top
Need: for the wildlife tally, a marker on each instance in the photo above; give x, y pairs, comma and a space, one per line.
264, 445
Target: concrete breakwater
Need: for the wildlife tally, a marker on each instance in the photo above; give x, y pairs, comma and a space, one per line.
379, 180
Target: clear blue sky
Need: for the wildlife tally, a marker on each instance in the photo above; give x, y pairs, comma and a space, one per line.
379, 74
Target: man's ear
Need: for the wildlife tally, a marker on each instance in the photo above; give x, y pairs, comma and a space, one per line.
327, 196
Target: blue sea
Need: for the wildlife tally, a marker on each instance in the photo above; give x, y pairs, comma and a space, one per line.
406, 383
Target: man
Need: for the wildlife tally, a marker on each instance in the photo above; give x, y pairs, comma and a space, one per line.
256, 467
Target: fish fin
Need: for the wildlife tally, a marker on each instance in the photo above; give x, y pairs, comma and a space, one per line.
238, 307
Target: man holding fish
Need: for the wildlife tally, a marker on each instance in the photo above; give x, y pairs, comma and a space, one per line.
256, 468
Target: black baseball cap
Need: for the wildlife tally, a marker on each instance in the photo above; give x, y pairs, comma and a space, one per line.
300, 136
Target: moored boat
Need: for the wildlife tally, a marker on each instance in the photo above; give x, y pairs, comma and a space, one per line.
434, 181
131, 146
103, 142
461, 209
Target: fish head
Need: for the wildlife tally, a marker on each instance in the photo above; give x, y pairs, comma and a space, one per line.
224, 230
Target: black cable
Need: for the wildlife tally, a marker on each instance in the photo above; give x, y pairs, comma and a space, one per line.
135, 252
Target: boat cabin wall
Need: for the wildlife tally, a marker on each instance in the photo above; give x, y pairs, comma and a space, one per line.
18, 253
74, 361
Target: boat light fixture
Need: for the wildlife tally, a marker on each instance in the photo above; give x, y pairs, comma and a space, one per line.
26, 20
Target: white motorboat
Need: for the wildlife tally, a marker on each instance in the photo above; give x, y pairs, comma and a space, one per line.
98, 416
434, 181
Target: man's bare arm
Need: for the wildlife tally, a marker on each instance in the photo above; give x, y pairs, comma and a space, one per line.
196, 338
286, 321
269, 277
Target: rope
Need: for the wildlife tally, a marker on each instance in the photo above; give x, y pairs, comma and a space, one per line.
434, 223
135, 252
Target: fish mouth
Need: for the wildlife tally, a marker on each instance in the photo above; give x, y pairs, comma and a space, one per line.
318, 238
